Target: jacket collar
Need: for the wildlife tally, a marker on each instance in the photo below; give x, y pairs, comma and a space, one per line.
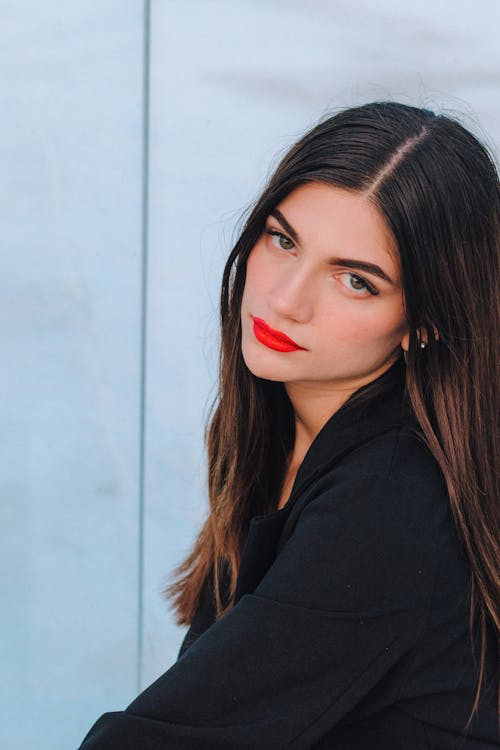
377, 407
372, 410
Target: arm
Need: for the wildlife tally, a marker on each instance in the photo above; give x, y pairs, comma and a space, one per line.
341, 605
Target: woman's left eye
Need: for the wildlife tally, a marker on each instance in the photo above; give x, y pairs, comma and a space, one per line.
279, 240
357, 284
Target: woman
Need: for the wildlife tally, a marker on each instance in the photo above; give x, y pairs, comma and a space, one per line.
344, 590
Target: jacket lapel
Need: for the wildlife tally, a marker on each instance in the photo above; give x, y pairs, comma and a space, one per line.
357, 422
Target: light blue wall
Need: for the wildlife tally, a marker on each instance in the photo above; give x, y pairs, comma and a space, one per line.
90, 532
70, 197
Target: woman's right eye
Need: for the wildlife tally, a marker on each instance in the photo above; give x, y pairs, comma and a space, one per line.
280, 240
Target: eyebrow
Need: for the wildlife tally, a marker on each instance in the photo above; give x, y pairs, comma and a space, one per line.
286, 226
359, 265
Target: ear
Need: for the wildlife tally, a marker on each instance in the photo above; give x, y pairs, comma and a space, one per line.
423, 337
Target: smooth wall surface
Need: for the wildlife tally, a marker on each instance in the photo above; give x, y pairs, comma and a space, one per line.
70, 192
110, 273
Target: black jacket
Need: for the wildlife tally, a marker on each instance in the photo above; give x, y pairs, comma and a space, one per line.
350, 628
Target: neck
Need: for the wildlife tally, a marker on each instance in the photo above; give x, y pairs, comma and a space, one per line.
313, 405
312, 408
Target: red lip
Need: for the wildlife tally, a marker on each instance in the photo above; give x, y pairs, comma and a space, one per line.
272, 338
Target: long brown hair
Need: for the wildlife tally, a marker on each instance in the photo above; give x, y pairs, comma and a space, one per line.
438, 189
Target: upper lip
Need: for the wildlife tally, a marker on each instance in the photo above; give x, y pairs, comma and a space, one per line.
278, 335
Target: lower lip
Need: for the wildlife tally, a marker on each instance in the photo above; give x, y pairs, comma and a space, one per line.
271, 342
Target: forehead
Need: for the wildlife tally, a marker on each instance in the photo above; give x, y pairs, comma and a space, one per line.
339, 222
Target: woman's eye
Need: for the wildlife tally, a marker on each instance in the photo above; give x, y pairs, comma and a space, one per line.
357, 284
279, 240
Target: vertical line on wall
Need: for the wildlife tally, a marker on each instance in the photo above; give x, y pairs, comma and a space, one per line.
143, 335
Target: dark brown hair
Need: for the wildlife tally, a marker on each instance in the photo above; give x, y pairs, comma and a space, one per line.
438, 190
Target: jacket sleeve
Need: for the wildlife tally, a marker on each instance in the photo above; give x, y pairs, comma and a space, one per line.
343, 602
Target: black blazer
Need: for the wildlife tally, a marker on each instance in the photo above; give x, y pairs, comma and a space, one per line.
350, 628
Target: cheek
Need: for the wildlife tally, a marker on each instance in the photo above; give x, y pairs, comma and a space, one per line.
368, 323
250, 269
389, 326
254, 276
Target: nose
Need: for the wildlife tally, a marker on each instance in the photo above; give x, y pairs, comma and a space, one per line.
291, 297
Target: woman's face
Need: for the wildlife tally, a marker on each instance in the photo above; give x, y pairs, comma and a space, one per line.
323, 303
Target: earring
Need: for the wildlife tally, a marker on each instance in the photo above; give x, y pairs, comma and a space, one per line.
423, 344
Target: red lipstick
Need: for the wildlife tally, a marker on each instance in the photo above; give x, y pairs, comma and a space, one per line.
272, 338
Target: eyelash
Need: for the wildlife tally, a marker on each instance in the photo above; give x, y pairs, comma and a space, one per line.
275, 233
369, 288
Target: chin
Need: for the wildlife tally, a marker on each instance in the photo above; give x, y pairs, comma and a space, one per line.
258, 369
258, 366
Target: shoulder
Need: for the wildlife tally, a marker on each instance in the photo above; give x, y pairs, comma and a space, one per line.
370, 537
389, 490
379, 522
395, 458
